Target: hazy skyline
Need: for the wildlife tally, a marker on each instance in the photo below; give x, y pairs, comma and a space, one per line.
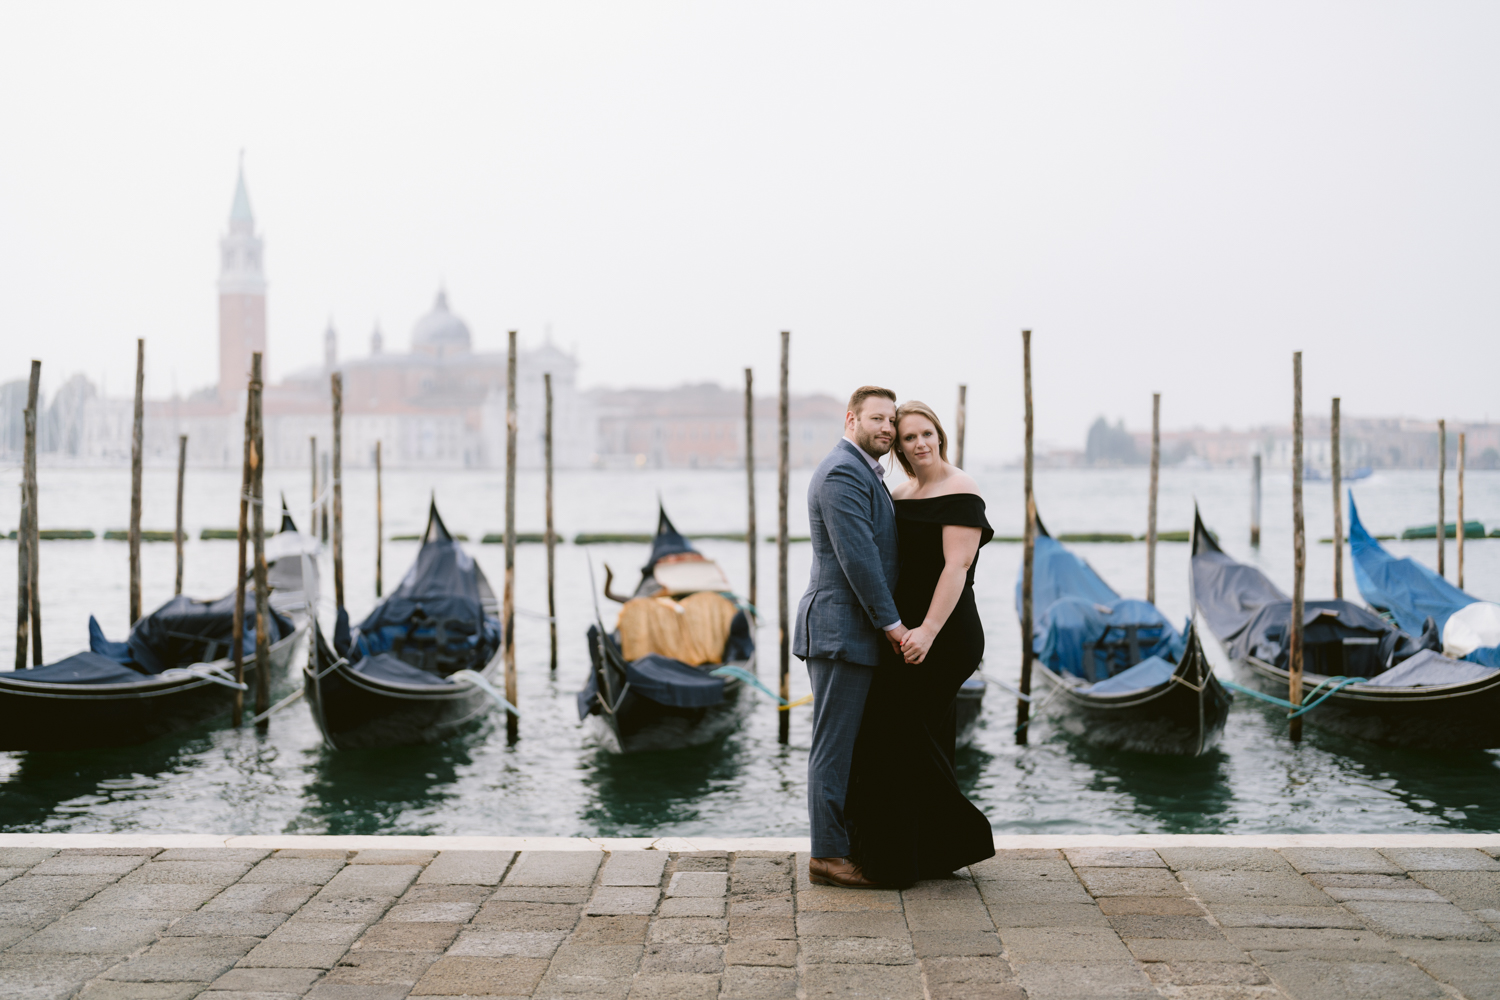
1174, 197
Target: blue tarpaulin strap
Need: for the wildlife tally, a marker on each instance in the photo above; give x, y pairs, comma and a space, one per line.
1335, 684
742, 674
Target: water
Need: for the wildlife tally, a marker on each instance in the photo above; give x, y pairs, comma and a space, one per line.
556, 781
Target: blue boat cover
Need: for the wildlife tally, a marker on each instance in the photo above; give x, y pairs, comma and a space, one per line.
80, 668
1340, 639
184, 631
390, 667
1229, 593
1147, 674
1431, 667
1082, 626
1408, 590
668, 541
672, 682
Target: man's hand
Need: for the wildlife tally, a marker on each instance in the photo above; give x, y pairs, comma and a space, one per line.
897, 636
918, 641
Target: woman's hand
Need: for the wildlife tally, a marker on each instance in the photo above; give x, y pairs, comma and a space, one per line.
918, 642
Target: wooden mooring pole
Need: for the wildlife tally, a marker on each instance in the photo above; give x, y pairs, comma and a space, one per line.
750, 539
1028, 552
551, 534
1337, 475
338, 488
1442, 527
237, 640
137, 444
323, 486
312, 458
1151, 505
1460, 539
178, 535
783, 614
1255, 500
1299, 551
379, 524
23, 580
28, 536
512, 695
258, 521
960, 421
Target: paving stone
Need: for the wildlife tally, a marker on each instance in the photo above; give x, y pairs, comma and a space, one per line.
1202, 859
748, 982
1315, 980
678, 986
876, 982
219, 873
939, 944
46, 976
11, 933
381, 968
70, 863
703, 884
1421, 920
835, 924
493, 944
429, 892
1007, 869
977, 970
831, 899
528, 916
1042, 888
1206, 974
1324, 939
365, 909
948, 915
856, 950
299, 931
105, 989
242, 855
1407, 892
780, 907
427, 936
942, 888
761, 876
188, 959
38, 892
384, 856
327, 990
467, 868
6, 874
554, 868
689, 931
81, 934
638, 868
1242, 886
1340, 859
264, 898
1162, 906
285, 955
1229, 915
1469, 890
682, 958
777, 953
24, 857
295, 870
1177, 950
542, 894
424, 912
762, 928
622, 899
1130, 882
596, 961
1048, 915
1473, 968
239, 995
691, 906
622, 930
1174, 927
1096, 980
701, 861
1104, 857
327, 853
362, 881
1433, 859
1063, 944
151, 897
467, 975
296, 981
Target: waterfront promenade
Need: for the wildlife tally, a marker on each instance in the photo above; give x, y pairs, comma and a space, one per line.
367, 918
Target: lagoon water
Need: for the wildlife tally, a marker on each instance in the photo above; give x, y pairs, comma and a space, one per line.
557, 781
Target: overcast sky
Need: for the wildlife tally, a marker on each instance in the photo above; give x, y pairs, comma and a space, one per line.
1174, 197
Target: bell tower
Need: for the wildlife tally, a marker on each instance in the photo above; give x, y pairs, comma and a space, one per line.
242, 296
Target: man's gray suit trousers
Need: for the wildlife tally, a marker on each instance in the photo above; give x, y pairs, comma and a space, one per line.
839, 690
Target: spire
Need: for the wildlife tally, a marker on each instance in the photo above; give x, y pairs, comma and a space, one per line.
239, 212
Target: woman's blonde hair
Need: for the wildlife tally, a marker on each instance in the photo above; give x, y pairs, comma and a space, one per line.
917, 408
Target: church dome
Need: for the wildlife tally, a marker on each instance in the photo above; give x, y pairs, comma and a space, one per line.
440, 332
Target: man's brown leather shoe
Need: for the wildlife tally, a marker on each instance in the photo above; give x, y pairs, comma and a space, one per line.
838, 871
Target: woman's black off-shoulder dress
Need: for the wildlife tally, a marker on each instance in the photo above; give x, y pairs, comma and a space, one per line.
906, 815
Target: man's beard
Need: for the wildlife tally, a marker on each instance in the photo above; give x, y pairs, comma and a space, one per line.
872, 445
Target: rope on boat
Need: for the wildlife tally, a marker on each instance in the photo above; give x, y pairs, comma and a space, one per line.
1334, 685
539, 616
999, 683
214, 675
740, 673
283, 703
484, 685
804, 700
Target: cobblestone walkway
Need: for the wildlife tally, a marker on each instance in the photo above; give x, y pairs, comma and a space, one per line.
1325, 923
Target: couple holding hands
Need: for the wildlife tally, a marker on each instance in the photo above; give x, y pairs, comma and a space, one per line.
889, 630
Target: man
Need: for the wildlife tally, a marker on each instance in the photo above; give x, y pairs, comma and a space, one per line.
847, 615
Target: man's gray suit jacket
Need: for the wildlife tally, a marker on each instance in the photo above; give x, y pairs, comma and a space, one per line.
853, 527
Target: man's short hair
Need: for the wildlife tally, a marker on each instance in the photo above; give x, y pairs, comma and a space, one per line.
864, 392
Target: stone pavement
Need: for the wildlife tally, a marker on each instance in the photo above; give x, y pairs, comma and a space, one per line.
146, 923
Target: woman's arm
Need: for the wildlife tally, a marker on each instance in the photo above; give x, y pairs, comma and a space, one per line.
960, 546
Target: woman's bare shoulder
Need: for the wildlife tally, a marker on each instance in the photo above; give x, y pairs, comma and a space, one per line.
958, 481
904, 489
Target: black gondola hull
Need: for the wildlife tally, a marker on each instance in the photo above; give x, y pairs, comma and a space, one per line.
98, 716
967, 707
1447, 717
638, 724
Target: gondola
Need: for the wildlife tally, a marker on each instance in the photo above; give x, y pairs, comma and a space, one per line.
1411, 593
169, 676
967, 707
653, 701
1116, 673
1368, 678
419, 667
292, 568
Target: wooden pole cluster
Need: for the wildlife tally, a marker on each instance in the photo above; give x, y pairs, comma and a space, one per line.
512, 724
137, 444
1151, 505
783, 615
237, 641
338, 488
1023, 705
750, 539
178, 536
960, 421
1255, 500
379, 524
551, 536
258, 534
1442, 527
28, 538
1338, 509
1299, 550
323, 485
1460, 539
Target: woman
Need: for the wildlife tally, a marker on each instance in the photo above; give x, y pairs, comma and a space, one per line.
907, 817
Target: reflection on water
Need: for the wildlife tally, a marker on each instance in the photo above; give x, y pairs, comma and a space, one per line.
1181, 794
639, 794
44, 789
